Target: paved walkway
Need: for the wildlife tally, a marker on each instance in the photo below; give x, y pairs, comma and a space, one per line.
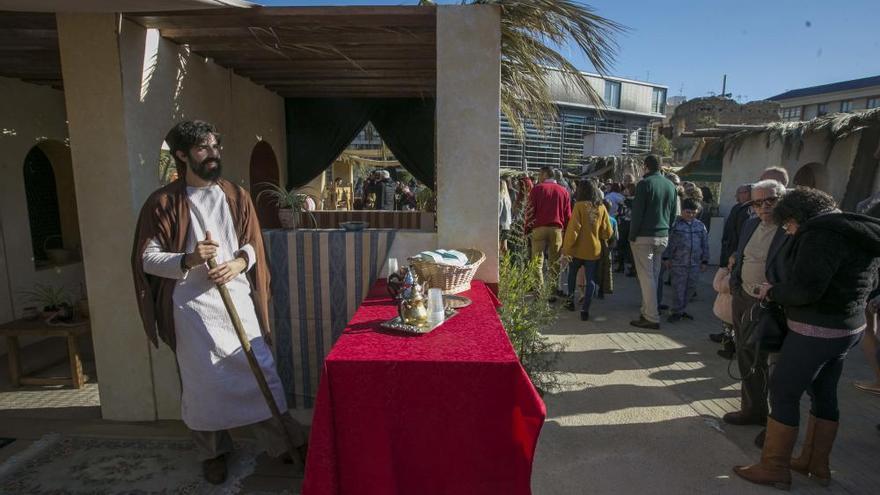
640, 411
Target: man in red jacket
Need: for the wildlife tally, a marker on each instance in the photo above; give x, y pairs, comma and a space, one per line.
549, 211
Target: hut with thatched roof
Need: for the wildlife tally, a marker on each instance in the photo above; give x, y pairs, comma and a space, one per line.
838, 153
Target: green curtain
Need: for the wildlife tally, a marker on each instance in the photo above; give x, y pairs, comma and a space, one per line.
318, 130
407, 127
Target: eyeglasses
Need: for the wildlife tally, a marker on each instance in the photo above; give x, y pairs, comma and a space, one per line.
760, 203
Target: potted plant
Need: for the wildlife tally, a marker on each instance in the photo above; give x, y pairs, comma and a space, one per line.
290, 203
54, 301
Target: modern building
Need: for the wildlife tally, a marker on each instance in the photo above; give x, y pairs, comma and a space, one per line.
816, 101
630, 109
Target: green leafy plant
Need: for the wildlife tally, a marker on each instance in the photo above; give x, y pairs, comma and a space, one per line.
425, 200
531, 34
662, 146
285, 199
48, 297
526, 312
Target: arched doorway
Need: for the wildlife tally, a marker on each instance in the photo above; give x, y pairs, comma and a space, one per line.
51, 204
807, 175
264, 168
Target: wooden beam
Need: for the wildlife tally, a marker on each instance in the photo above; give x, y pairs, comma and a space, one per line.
208, 36
27, 20
349, 73
322, 50
350, 83
290, 16
280, 63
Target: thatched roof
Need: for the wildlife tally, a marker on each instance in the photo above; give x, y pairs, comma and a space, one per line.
835, 126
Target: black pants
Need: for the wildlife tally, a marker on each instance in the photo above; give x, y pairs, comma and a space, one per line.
810, 364
753, 392
624, 256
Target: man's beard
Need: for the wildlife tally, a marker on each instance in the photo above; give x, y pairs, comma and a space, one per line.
205, 172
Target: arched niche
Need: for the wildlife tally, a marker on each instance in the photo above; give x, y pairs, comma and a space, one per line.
51, 204
264, 169
810, 175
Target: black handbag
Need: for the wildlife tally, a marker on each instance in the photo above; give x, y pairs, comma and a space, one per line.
766, 326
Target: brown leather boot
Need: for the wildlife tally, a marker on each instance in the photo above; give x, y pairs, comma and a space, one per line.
773, 469
801, 464
813, 461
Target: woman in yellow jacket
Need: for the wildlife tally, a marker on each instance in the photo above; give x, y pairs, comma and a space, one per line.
588, 228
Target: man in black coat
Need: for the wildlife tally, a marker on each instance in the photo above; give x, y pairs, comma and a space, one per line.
739, 213
760, 258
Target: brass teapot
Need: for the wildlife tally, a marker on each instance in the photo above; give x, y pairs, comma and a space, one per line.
413, 308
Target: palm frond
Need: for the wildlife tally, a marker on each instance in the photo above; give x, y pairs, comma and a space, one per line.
531, 31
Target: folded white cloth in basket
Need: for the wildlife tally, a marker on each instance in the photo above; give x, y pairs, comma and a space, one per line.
444, 257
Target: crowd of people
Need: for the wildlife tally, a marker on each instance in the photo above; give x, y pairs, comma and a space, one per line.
380, 191
796, 286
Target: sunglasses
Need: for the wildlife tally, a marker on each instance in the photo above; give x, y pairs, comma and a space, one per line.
760, 203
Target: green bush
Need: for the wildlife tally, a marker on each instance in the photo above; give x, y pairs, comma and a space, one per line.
526, 312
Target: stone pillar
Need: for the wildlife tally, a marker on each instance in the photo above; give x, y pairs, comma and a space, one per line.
468, 136
107, 210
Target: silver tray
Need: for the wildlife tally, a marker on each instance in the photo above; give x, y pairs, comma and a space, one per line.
397, 324
455, 302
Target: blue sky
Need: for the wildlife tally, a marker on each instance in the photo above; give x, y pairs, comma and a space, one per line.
765, 47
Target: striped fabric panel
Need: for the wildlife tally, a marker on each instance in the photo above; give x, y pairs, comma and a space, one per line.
319, 278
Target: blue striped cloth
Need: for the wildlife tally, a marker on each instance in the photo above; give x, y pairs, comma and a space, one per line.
319, 278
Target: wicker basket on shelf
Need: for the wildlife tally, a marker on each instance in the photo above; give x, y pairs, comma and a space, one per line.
451, 279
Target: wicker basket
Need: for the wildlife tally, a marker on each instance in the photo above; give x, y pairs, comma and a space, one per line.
451, 279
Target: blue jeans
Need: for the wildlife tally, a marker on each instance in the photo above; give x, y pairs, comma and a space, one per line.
590, 267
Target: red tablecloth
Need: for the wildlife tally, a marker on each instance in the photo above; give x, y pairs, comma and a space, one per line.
450, 412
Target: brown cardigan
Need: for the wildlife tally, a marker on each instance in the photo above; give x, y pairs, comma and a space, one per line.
165, 216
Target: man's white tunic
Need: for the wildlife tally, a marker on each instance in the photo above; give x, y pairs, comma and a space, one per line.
219, 390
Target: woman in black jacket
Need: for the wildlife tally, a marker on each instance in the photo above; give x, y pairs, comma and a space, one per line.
833, 266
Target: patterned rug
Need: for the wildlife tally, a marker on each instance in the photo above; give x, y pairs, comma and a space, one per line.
60, 464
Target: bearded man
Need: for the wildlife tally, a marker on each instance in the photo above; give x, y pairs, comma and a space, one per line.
181, 226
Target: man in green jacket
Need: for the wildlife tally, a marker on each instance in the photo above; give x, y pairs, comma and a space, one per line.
653, 213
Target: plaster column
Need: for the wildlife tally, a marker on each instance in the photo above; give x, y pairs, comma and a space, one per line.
107, 210
468, 136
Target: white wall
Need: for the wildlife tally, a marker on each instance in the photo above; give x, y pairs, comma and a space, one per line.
30, 114
124, 92
468, 101
753, 156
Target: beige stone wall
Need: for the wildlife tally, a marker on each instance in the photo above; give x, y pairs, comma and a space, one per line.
124, 92
753, 156
32, 115
468, 96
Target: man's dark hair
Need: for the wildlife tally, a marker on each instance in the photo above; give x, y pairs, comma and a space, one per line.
690, 204
186, 134
802, 204
547, 172
587, 190
652, 163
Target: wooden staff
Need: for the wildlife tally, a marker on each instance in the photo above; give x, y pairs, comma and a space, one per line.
252, 360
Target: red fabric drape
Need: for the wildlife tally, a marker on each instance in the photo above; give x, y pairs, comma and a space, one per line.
450, 412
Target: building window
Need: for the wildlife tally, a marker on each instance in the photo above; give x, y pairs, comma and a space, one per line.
846, 106
612, 94
658, 102
822, 109
873, 103
791, 114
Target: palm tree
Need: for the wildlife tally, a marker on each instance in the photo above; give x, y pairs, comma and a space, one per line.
531, 31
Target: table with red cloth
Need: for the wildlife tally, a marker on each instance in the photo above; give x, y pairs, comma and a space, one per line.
448, 412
